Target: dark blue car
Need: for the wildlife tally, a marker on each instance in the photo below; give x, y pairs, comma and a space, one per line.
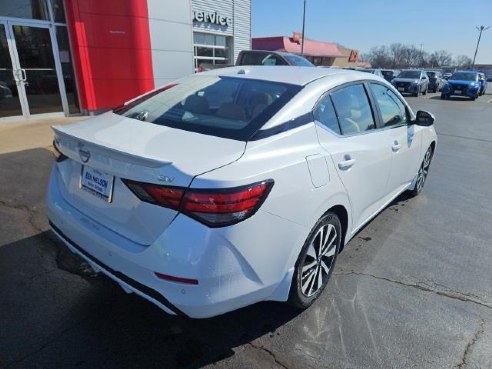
462, 83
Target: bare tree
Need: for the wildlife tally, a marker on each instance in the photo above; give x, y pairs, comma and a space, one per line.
378, 56
463, 61
398, 55
440, 58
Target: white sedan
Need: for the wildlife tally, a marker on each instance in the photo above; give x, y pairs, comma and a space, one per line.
236, 185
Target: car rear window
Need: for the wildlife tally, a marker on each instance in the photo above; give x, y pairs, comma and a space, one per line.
409, 74
220, 106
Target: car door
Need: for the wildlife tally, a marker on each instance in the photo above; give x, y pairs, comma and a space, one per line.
403, 138
347, 130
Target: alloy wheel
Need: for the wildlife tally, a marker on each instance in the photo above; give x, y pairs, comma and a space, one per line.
319, 259
424, 169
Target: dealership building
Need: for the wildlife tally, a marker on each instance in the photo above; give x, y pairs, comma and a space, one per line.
65, 57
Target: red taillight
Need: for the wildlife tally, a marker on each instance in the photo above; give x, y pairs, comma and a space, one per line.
214, 207
169, 197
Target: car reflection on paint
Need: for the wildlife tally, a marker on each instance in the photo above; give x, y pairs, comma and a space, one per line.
237, 185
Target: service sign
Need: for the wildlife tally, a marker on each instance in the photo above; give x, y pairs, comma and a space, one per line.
211, 17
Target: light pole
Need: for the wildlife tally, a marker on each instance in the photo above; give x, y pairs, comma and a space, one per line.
303, 26
480, 29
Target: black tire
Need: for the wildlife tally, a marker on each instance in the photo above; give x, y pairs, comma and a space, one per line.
313, 271
424, 92
443, 97
422, 173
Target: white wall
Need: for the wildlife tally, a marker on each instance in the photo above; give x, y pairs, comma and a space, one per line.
171, 39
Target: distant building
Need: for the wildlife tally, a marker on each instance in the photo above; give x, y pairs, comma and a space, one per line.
485, 68
318, 52
349, 58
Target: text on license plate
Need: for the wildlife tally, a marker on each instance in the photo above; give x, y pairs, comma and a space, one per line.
96, 182
457, 92
401, 88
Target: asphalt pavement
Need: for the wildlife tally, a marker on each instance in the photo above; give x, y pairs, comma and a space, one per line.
412, 290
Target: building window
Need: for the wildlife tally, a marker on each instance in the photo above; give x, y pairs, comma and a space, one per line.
211, 50
30, 9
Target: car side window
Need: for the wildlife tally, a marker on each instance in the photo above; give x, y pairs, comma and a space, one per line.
325, 114
272, 59
353, 109
392, 109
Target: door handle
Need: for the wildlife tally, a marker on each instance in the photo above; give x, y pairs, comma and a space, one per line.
347, 163
396, 146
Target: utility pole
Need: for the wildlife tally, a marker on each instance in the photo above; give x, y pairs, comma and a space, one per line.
303, 26
480, 29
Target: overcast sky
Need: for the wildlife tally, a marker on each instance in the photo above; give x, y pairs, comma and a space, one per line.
361, 24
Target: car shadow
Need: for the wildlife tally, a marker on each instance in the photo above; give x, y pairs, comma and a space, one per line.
451, 98
54, 308
89, 319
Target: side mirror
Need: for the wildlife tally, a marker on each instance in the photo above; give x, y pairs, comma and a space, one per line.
424, 118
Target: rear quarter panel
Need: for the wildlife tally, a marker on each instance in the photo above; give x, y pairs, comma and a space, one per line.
293, 197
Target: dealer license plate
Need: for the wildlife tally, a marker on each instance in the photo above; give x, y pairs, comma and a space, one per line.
401, 89
98, 183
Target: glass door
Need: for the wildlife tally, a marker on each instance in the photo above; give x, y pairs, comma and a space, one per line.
37, 73
30, 70
10, 103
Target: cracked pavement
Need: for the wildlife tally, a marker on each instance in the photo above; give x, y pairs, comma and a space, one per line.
413, 289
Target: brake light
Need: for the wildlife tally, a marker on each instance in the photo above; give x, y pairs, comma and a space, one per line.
213, 207
169, 197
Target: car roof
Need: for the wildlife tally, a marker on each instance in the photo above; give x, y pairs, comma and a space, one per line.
269, 52
293, 75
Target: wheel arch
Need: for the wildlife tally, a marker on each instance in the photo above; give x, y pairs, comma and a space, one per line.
342, 214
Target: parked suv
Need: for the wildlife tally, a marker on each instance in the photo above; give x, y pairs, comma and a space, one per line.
462, 83
261, 57
436, 81
412, 81
389, 74
375, 71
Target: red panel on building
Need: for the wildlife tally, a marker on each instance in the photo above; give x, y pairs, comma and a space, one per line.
111, 47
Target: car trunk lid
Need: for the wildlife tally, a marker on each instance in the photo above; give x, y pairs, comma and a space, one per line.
111, 147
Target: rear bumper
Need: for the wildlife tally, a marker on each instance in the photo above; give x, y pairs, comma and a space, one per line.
236, 266
124, 281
